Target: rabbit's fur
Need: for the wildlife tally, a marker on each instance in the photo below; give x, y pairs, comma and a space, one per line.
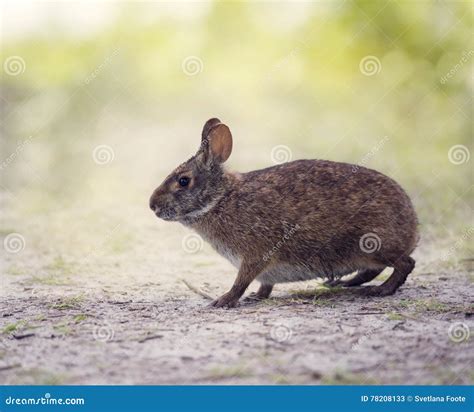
296, 221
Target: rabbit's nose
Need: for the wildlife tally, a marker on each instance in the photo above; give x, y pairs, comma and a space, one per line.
153, 206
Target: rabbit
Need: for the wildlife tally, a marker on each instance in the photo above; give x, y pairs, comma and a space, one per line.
295, 221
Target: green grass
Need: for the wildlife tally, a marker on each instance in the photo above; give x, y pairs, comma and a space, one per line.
80, 318
395, 316
72, 302
63, 328
227, 372
37, 376
14, 327
16, 271
51, 280
60, 266
280, 379
426, 306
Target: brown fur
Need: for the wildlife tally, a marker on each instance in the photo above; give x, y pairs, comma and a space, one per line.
295, 221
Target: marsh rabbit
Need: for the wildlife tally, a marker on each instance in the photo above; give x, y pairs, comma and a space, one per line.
296, 221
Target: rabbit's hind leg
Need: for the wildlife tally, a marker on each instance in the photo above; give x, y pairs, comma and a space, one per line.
401, 269
362, 276
263, 292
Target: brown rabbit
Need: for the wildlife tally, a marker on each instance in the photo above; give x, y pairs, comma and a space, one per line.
292, 222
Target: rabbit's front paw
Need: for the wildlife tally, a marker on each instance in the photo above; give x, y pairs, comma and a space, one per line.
227, 300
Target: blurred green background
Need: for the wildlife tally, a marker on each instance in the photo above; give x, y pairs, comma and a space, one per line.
101, 101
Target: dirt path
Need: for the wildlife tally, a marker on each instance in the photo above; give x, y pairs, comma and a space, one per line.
104, 324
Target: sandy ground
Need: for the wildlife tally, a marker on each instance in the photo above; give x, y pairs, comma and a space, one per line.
120, 314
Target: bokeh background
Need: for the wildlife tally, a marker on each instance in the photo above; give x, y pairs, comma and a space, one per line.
100, 101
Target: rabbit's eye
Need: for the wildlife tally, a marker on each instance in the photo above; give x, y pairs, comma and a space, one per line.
184, 181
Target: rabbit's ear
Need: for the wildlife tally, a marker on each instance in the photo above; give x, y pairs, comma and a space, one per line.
208, 126
217, 147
